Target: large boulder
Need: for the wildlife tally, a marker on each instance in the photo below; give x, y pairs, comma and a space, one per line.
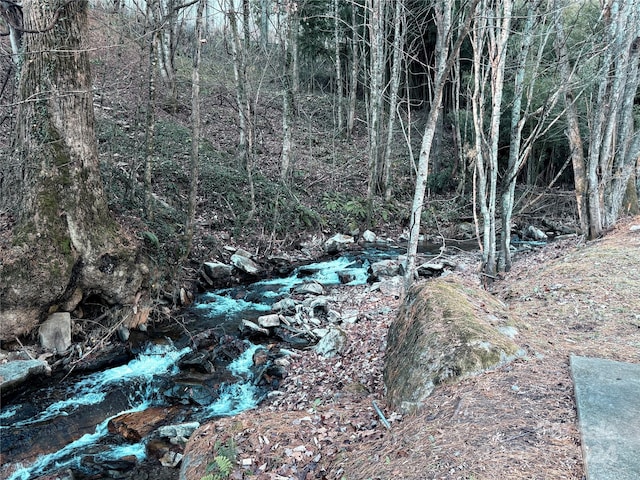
444, 331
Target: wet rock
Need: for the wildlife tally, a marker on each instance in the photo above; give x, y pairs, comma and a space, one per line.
55, 332
199, 361
385, 268
260, 357
271, 320
171, 459
244, 263
217, 270
178, 434
134, 426
313, 288
346, 276
15, 373
248, 325
337, 243
123, 333
441, 335
286, 305
368, 236
66, 474
333, 343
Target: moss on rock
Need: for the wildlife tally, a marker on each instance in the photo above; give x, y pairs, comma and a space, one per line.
444, 331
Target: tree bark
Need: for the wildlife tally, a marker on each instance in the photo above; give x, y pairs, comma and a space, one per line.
444, 61
65, 241
195, 130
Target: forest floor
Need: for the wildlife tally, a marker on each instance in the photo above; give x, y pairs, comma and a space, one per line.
518, 421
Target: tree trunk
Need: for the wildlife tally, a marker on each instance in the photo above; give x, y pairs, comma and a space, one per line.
491, 34
195, 130
398, 43
150, 118
355, 62
376, 10
337, 36
289, 90
444, 61
65, 242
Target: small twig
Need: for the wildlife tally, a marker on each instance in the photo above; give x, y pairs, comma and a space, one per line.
25, 350
381, 415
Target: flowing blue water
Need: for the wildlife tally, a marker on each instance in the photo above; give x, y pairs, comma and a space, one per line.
159, 361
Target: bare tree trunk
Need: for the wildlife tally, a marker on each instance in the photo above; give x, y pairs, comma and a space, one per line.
337, 36
67, 244
353, 78
573, 127
516, 159
445, 57
195, 129
376, 10
239, 48
288, 94
398, 43
491, 34
150, 118
613, 137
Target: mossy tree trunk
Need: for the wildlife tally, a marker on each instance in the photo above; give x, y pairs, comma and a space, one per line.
65, 243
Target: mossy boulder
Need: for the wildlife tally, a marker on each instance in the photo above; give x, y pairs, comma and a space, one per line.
444, 331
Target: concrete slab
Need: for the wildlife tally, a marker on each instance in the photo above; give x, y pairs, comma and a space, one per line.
608, 400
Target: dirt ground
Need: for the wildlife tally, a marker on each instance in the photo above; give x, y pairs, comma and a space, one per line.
519, 421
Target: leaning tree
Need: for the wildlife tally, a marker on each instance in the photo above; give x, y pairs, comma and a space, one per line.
65, 244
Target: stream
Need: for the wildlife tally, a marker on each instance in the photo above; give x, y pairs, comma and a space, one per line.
67, 424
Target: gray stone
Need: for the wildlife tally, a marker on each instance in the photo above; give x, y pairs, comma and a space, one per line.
171, 459
440, 335
217, 270
55, 332
433, 266
368, 236
123, 333
391, 287
345, 276
245, 264
337, 243
271, 320
320, 332
15, 373
350, 316
248, 324
535, 233
608, 400
385, 268
313, 288
333, 316
178, 433
333, 343
317, 304
286, 305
